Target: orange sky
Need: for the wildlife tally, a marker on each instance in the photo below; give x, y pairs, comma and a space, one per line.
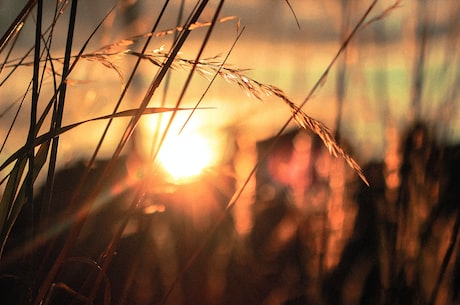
379, 67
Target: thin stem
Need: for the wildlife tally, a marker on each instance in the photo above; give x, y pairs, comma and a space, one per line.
33, 115
57, 119
16, 26
446, 259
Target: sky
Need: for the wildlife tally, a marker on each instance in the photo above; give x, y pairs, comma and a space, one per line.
369, 93
289, 49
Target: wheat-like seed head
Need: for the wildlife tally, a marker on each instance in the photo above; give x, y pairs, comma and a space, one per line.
256, 89
208, 67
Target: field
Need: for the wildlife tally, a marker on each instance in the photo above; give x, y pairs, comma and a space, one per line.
228, 152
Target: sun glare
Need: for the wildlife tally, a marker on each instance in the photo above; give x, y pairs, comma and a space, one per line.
186, 156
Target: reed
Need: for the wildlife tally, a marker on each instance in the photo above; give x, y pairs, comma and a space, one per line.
41, 233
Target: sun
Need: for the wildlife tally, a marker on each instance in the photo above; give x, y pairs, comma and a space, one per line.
186, 156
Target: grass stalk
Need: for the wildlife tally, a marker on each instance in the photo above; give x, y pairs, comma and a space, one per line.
446, 259
42, 146
128, 131
17, 24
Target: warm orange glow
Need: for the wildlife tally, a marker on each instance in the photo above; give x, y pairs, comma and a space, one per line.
186, 156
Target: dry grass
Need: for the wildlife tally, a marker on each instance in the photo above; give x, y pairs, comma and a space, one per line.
39, 152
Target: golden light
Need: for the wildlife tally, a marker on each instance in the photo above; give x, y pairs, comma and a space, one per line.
186, 155
183, 156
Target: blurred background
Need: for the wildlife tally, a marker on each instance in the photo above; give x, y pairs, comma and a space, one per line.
304, 229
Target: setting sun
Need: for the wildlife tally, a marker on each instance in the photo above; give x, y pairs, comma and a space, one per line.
186, 156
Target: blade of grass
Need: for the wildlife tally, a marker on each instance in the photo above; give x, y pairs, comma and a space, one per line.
29, 181
200, 248
318, 84
119, 101
57, 116
293, 13
112, 48
74, 63
57, 132
77, 226
189, 77
23, 150
154, 141
19, 62
446, 259
342, 69
154, 85
10, 51
17, 24
16, 115
45, 207
9, 196
46, 43
26, 193
211, 81
322, 79
420, 58
21, 198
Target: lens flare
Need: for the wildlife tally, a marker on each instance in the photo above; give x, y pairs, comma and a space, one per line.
186, 156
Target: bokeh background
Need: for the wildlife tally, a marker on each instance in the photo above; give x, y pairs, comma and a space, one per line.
304, 229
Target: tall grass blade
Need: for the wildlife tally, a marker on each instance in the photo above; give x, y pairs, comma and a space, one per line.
17, 24
191, 73
129, 130
293, 13
8, 198
446, 259
58, 114
217, 73
60, 131
21, 198
29, 181
420, 58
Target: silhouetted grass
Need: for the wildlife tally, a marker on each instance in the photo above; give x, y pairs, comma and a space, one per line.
40, 239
